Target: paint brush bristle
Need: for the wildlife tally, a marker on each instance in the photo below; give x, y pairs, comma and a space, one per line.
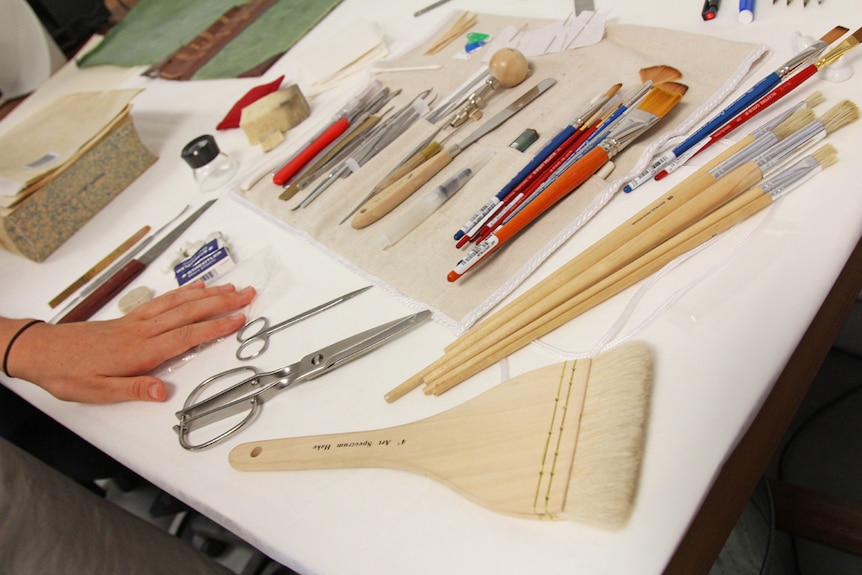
814, 99
793, 122
660, 74
843, 113
825, 155
834, 34
660, 101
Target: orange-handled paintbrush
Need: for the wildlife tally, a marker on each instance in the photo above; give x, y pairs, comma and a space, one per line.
652, 108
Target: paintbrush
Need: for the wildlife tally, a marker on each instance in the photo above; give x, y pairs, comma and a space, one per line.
671, 213
748, 147
652, 108
793, 82
387, 199
723, 218
547, 155
755, 93
561, 442
812, 101
575, 147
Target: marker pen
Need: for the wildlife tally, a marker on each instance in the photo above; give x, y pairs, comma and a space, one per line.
746, 11
710, 9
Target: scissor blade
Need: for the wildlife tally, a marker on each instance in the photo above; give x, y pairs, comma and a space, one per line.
334, 356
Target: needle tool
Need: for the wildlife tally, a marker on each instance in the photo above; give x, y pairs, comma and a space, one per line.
116, 282
421, 154
383, 135
248, 396
556, 145
386, 200
362, 124
254, 336
748, 98
399, 227
337, 126
653, 107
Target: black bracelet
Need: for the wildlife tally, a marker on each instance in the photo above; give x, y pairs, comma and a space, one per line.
18, 333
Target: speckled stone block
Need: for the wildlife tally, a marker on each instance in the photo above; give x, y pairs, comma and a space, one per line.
49, 216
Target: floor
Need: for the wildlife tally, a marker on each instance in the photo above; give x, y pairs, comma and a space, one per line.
822, 450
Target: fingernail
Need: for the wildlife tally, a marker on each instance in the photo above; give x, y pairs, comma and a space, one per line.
155, 391
226, 288
246, 289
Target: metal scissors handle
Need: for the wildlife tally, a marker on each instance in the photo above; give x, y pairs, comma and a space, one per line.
253, 337
251, 393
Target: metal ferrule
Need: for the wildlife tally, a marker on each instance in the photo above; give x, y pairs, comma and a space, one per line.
810, 133
804, 57
791, 178
746, 154
633, 125
768, 126
588, 111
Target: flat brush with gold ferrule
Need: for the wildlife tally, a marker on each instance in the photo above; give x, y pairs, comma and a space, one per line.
652, 108
754, 94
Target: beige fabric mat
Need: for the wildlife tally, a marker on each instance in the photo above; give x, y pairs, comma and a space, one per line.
416, 267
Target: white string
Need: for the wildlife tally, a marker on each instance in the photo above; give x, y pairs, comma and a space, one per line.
610, 340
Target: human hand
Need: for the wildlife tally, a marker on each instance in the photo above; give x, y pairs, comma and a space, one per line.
108, 361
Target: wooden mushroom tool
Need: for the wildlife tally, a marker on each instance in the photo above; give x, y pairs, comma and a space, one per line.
561, 442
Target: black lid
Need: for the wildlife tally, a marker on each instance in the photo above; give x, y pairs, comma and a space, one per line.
200, 151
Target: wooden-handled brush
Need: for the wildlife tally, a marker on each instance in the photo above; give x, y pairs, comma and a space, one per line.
561, 442
654, 106
729, 214
654, 224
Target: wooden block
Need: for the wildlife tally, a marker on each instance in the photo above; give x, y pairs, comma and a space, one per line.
279, 111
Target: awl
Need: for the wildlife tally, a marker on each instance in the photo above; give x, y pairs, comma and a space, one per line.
113, 285
387, 199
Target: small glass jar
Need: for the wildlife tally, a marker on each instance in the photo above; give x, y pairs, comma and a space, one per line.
212, 168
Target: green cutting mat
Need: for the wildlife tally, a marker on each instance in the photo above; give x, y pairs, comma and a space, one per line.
154, 29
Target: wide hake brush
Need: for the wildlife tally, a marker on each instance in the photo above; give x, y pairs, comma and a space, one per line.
561, 442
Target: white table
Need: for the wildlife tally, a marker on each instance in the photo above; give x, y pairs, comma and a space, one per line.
720, 348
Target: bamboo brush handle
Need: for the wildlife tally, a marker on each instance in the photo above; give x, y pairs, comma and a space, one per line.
720, 220
388, 198
619, 254
585, 265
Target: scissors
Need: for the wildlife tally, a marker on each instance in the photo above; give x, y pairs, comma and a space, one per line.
251, 393
253, 344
